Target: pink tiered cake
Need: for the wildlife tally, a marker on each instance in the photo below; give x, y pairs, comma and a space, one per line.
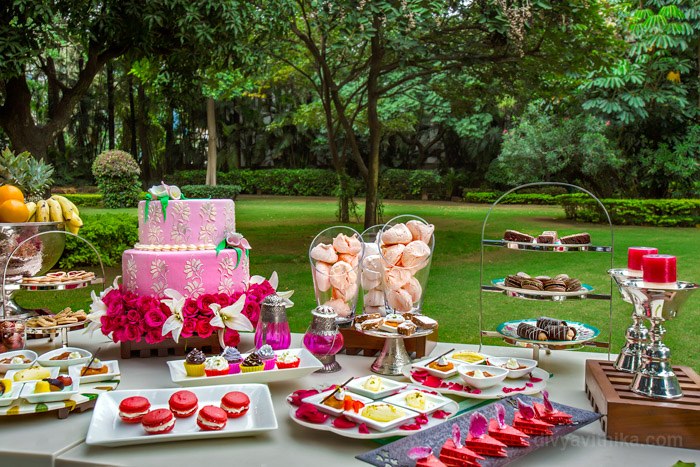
177, 250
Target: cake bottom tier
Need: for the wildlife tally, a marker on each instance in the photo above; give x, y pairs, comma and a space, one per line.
192, 273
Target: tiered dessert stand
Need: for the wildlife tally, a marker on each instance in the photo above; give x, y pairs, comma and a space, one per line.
49, 243
586, 293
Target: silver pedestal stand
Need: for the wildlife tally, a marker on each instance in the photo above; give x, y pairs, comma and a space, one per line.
637, 335
393, 356
658, 302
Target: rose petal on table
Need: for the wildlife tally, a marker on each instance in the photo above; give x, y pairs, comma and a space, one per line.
308, 413
432, 381
342, 422
420, 372
422, 419
529, 385
508, 390
441, 414
428, 392
534, 379
363, 429
298, 396
411, 427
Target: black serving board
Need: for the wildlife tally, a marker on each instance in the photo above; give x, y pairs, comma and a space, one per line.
396, 454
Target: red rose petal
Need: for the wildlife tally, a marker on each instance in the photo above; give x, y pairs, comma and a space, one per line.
432, 382
534, 379
441, 414
529, 385
411, 427
298, 396
342, 422
422, 419
363, 429
308, 413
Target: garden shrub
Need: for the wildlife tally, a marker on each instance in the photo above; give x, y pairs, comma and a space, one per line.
85, 200
410, 184
117, 175
513, 198
657, 212
110, 235
214, 192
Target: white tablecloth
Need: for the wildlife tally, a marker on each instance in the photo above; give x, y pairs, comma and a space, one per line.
44, 440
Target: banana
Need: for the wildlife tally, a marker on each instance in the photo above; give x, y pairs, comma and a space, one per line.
55, 212
31, 207
76, 222
42, 211
71, 228
67, 205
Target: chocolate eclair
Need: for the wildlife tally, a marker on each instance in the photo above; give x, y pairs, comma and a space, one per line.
560, 333
530, 332
544, 322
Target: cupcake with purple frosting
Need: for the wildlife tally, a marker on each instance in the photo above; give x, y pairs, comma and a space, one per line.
267, 355
234, 359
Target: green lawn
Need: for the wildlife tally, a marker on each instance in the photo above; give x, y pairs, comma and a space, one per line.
280, 230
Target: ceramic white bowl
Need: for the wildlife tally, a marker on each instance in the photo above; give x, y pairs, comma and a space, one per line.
514, 374
5, 367
45, 359
499, 374
389, 386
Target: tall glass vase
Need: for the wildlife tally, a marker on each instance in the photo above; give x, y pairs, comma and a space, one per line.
371, 285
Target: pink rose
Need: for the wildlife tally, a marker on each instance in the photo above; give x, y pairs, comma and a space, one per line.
123, 321
190, 309
113, 296
231, 338
260, 291
204, 329
155, 318
144, 304
235, 297
224, 300
252, 311
165, 309
203, 302
133, 316
188, 328
132, 333
116, 308
108, 324
118, 335
154, 336
130, 300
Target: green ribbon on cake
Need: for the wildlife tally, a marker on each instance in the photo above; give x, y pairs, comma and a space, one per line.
163, 202
223, 245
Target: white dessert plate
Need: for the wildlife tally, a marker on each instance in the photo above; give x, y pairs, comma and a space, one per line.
454, 356
9, 397
53, 371
516, 373
30, 355
438, 373
307, 365
433, 401
513, 386
107, 429
316, 400
112, 372
388, 387
29, 395
45, 359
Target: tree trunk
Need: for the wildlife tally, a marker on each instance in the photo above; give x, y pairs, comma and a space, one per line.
211, 148
53, 99
132, 119
143, 135
110, 105
375, 126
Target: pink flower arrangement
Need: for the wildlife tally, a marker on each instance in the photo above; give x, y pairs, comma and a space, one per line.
131, 318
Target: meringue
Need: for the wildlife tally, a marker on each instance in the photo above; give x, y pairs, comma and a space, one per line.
325, 253
414, 289
371, 267
371, 249
374, 309
344, 244
399, 300
397, 234
321, 275
395, 278
342, 275
374, 298
345, 294
368, 283
415, 254
352, 260
392, 254
420, 231
340, 307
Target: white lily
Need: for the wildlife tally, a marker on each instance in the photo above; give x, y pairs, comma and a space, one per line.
98, 308
231, 316
274, 282
175, 321
158, 190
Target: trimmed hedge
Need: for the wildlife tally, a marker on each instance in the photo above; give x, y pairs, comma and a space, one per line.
657, 212
214, 192
410, 184
110, 235
513, 198
85, 200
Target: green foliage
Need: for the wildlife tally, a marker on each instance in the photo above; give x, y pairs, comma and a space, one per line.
214, 192
91, 200
117, 176
657, 212
544, 147
513, 198
410, 184
110, 235
31, 176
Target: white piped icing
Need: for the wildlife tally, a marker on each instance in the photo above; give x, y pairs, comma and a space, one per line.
184, 412
478, 374
512, 364
158, 429
208, 423
132, 415
236, 411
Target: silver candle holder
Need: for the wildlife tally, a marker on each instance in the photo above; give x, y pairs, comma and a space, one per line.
658, 303
629, 359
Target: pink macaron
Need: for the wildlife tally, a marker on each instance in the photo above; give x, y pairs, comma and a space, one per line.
158, 421
211, 418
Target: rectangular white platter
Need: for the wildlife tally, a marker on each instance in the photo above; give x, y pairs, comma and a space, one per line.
107, 429
307, 365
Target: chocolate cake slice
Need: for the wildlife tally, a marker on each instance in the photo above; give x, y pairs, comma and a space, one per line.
547, 237
576, 239
515, 236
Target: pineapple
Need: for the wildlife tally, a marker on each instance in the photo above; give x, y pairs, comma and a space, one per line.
31, 176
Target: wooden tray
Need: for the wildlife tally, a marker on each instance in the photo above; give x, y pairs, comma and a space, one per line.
631, 418
142, 349
356, 342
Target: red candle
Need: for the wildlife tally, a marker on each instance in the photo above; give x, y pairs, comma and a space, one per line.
634, 256
660, 269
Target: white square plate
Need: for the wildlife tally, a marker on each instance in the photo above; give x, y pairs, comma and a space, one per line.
30, 355
54, 371
8, 398
45, 359
389, 387
440, 374
107, 429
307, 365
317, 398
113, 371
433, 401
409, 415
28, 393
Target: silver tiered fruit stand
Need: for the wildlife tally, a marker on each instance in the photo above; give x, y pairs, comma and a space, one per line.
636, 336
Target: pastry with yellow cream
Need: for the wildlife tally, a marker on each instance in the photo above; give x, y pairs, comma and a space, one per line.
32, 373
382, 412
467, 356
417, 400
373, 383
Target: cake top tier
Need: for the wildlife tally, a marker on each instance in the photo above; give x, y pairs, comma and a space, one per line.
190, 222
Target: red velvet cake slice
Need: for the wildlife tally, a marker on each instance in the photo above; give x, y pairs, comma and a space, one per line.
479, 441
547, 413
505, 433
526, 422
424, 457
453, 454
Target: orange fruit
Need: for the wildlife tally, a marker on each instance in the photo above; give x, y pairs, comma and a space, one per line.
13, 211
10, 192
